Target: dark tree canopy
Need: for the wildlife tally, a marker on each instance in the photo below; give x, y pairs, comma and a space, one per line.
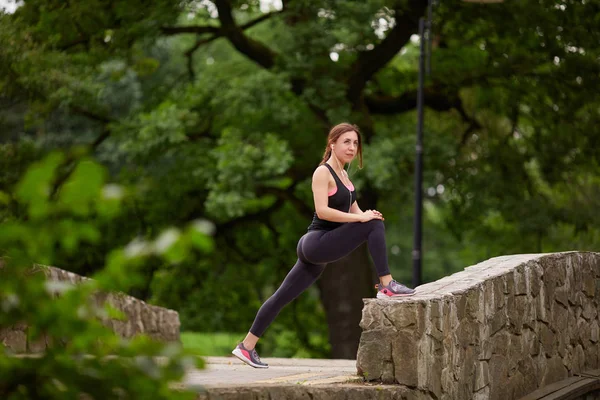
220, 109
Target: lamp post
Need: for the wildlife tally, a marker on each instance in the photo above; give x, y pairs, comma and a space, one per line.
425, 26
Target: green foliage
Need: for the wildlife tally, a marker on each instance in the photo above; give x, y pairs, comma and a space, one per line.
210, 344
510, 139
85, 356
243, 162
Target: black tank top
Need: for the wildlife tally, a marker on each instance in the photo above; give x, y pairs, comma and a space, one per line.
341, 200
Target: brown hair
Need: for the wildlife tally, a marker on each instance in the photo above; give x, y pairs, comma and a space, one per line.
338, 131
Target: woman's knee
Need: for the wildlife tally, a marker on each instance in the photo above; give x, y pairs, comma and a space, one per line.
376, 224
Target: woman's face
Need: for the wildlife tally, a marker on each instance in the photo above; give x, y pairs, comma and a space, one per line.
346, 146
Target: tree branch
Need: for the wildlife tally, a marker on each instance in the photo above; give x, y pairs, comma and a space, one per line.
90, 114
253, 49
369, 62
98, 118
216, 30
258, 20
434, 98
177, 30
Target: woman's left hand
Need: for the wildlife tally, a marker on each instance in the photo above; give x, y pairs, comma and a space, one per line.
377, 213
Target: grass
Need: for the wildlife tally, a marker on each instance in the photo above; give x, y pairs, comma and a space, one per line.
210, 344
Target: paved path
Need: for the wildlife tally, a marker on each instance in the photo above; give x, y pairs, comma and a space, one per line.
231, 372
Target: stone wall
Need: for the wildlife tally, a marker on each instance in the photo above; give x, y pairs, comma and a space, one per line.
497, 330
157, 322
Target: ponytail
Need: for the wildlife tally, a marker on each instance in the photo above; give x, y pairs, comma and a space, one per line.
326, 155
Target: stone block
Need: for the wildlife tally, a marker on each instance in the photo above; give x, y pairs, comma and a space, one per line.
509, 283
404, 315
373, 352
531, 344
591, 358
555, 371
535, 275
541, 305
499, 344
594, 263
547, 339
387, 374
516, 386
475, 310
372, 317
578, 364
450, 316
467, 334
466, 372
461, 307
589, 309
483, 394
498, 377
429, 367
594, 332
560, 318
489, 304
482, 376
404, 355
497, 321
561, 295
149, 320
550, 279
561, 345
530, 372
448, 383
589, 283
520, 279
572, 326
499, 283
15, 341
585, 331
515, 353
518, 312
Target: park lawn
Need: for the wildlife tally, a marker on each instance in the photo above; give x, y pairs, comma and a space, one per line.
210, 344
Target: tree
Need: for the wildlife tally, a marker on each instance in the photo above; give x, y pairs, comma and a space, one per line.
227, 105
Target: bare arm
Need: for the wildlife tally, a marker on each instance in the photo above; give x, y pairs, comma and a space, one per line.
355, 209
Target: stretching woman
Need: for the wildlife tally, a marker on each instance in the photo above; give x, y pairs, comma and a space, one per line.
338, 227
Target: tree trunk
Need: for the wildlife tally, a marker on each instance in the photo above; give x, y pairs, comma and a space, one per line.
343, 285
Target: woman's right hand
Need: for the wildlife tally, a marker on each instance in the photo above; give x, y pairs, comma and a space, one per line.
371, 214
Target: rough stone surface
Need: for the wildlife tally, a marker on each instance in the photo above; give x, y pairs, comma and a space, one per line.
342, 392
157, 322
497, 330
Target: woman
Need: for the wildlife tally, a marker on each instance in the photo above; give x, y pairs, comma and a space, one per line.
338, 227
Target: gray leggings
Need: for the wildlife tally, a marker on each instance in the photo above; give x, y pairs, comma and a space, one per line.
316, 249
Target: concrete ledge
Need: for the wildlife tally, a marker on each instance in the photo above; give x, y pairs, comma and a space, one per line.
341, 392
497, 330
227, 378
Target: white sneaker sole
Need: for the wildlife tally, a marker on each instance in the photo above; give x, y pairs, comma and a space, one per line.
385, 296
238, 353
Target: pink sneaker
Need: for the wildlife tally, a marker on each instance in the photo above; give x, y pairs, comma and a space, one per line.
250, 357
393, 289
